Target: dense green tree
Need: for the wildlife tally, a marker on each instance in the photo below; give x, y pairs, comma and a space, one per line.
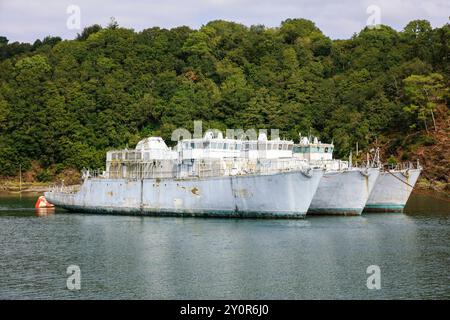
4, 112
88, 31
422, 93
63, 103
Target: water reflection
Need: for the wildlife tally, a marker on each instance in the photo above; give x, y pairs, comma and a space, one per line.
422, 204
188, 258
44, 212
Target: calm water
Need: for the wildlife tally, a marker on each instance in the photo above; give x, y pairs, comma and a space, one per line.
190, 258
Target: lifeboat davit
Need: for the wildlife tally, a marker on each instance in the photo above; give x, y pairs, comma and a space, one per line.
43, 203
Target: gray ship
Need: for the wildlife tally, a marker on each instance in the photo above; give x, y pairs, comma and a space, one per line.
343, 189
201, 177
393, 188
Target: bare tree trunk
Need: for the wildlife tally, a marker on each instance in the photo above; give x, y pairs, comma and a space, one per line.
434, 121
395, 83
426, 127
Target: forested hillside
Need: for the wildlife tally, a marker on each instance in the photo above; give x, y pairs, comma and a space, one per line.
64, 103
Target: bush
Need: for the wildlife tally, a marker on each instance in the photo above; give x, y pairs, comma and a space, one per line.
428, 141
9, 161
392, 160
405, 156
44, 176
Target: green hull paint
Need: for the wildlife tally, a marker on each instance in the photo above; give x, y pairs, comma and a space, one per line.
335, 211
164, 213
384, 208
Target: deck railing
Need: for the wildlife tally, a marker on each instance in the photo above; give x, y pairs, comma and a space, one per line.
401, 166
166, 169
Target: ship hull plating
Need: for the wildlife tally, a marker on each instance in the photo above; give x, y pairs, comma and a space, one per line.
392, 191
343, 192
247, 196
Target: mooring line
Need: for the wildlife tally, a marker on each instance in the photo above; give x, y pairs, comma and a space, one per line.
400, 179
419, 191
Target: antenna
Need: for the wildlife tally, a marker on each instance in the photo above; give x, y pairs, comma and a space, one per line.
350, 159
377, 157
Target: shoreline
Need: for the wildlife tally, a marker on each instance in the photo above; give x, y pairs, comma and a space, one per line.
432, 186
41, 190
13, 187
25, 189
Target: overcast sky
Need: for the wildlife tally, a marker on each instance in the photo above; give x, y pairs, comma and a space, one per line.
27, 20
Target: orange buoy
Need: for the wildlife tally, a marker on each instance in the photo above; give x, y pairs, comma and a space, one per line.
43, 203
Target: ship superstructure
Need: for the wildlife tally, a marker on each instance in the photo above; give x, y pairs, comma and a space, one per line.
317, 153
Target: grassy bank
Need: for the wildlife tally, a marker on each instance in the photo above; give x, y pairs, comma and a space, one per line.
433, 185
14, 186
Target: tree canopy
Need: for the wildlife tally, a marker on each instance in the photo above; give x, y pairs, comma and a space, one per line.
63, 103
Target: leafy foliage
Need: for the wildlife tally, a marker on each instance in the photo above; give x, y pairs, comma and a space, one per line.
64, 103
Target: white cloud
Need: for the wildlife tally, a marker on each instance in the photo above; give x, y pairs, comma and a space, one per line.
26, 20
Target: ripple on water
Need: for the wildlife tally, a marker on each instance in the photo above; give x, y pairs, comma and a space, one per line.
189, 258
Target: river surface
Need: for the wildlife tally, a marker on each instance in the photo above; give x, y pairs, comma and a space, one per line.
126, 257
